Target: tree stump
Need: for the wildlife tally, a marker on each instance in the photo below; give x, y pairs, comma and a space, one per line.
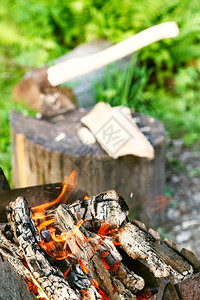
45, 150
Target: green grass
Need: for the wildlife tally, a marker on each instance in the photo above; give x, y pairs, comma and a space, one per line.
162, 80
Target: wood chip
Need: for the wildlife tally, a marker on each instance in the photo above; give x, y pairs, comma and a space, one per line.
116, 131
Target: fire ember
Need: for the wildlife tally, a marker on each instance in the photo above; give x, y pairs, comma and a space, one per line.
88, 249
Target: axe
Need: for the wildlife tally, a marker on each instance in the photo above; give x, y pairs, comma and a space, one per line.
41, 86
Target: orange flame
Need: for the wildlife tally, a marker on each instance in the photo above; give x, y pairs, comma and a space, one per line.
69, 183
83, 294
110, 268
67, 244
38, 291
63, 245
45, 224
84, 268
43, 221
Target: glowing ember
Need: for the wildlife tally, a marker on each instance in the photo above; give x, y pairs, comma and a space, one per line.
144, 294
103, 295
84, 268
68, 244
41, 294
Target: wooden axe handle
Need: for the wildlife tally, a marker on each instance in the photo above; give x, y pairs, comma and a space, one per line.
76, 67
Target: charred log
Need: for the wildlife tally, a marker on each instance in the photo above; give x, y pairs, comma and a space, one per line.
50, 279
160, 259
105, 207
91, 266
90, 248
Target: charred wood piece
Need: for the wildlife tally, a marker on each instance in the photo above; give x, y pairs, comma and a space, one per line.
160, 259
51, 280
123, 293
105, 207
14, 256
90, 247
81, 281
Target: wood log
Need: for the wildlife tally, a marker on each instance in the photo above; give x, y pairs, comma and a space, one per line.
108, 252
51, 280
160, 259
88, 250
105, 207
46, 150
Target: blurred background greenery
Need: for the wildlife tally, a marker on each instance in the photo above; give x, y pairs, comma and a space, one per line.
162, 79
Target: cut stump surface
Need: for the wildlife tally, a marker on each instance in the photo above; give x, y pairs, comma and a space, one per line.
46, 150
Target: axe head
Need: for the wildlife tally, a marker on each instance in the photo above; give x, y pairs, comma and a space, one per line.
38, 94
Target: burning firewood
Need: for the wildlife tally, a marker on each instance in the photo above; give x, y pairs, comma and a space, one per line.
158, 256
49, 278
92, 249
80, 250
103, 248
14, 255
105, 207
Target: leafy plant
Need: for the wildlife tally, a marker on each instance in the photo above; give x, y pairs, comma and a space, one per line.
161, 81
123, 85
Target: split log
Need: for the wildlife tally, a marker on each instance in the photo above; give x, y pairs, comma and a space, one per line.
146, 247
51, 280
46, 150
160, 259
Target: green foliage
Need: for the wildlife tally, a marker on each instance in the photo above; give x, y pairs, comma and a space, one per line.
162, 79
10, 74
124, 85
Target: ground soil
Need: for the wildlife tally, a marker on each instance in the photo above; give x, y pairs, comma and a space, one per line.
182, 223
